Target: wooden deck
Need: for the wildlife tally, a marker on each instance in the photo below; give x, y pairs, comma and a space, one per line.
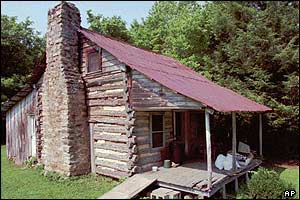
190, 177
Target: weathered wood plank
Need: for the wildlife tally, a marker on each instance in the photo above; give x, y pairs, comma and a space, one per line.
110, 137
130, 188
224, 196
18, 136
108, 86
114, 94
114, 164
114, 129
109, 120
106, 58
112, 62
111, 172
143, 139
125, 157
98, 110
98, 74
260, 135
99, 101
121, 147
149, 93
236, 185
233, 141
104, 79
208, 149
154, 158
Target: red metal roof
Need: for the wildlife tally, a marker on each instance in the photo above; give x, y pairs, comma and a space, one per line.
27, 88
176, 76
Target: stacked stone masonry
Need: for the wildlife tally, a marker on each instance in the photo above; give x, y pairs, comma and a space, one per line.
64, 128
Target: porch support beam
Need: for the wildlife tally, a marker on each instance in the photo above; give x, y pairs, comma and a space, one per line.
260, 135
247, 177
208, 148
236, 184
233, 141
224, 192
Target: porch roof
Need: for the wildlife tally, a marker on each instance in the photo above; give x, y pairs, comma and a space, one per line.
176, 76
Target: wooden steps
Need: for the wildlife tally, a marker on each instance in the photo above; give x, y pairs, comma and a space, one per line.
129, 188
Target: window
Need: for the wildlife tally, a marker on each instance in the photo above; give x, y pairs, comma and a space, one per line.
157, 131
94, 62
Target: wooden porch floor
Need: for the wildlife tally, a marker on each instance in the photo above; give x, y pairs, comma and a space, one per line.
190, 177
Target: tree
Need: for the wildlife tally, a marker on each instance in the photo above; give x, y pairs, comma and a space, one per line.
21, 49
114, 26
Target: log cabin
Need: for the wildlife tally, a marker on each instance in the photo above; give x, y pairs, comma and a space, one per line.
102, 105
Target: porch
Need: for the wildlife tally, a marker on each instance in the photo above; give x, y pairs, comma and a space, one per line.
192, 177
189, 178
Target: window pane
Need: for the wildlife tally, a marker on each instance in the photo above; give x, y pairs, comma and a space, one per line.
157, 122
94, 62
157, 139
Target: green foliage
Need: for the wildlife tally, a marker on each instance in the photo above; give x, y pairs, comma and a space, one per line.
292, 175
31, 162
265, 184
39, 167
21, 49
114, 26
123, 179
53, 176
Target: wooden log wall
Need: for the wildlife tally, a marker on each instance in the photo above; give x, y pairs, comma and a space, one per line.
114, 151
148, 156
147, 93
18, 140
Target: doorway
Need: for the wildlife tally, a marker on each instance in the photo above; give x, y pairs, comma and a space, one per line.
189, 128
197, 145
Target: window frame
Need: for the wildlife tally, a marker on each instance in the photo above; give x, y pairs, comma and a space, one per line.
163, 131
99, 52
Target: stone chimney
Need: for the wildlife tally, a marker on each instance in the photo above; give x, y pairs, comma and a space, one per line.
66, 148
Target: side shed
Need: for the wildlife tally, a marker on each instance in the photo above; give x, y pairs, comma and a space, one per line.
23, 119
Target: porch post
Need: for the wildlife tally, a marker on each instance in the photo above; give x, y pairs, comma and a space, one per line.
233, 141
208, 148
260, 134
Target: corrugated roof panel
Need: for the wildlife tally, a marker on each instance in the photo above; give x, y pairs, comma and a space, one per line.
176, 76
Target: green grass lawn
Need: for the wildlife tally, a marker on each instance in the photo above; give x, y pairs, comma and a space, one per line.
20, 182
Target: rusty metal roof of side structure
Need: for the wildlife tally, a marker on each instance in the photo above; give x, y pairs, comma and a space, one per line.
26, 89
176, 76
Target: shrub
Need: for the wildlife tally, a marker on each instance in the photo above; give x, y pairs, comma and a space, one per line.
264, 184
40, 167
54, 176
31, 162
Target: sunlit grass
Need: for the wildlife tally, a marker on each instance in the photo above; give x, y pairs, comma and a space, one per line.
26, 183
